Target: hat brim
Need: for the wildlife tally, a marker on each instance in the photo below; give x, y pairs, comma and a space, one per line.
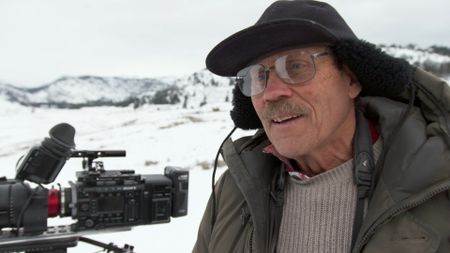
243, 47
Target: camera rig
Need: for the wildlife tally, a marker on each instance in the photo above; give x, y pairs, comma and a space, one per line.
99, 200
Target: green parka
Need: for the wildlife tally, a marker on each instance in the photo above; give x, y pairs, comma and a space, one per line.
409, 210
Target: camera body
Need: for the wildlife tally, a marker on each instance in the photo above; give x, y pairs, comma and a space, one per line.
117, 198
98, 199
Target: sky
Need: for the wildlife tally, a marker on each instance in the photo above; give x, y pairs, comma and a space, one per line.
42, 40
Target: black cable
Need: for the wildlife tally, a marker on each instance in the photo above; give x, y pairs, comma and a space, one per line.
213, 218
27, 203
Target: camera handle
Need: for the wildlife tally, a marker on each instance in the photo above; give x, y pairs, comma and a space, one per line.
90, 155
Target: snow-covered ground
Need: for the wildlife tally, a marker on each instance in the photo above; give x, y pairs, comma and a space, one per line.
153, 136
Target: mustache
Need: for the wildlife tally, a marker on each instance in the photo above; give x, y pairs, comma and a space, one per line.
283, 107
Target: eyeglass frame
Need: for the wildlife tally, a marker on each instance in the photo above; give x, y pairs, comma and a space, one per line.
313, 56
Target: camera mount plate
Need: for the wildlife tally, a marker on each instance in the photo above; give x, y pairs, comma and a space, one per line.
55, 240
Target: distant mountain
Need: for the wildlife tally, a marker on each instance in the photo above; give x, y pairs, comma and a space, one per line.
83, 91
435, 59
190, 91
11, 93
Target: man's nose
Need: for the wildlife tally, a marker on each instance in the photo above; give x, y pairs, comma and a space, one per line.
276, 88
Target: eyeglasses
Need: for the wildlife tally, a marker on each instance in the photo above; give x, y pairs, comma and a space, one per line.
295, 67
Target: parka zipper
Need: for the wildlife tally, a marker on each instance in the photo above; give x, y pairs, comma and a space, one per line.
247, 218
251, 241
401, 207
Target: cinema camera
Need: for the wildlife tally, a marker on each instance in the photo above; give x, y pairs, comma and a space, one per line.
100, 200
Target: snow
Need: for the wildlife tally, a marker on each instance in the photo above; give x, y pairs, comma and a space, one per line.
92, 88
414, 55
156, 135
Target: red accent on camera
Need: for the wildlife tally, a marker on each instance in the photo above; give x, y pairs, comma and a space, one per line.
54, 203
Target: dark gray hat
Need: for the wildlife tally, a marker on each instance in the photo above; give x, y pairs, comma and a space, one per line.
287, 24
283, 24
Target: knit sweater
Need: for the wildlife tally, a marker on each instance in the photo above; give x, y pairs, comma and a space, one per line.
318, 213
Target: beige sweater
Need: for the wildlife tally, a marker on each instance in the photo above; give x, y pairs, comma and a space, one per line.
319, 211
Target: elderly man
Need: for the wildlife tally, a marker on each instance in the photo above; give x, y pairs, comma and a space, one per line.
352, 154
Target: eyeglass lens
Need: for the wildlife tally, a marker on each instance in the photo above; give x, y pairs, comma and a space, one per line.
293, 68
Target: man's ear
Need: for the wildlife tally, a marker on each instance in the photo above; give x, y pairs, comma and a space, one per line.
354, 86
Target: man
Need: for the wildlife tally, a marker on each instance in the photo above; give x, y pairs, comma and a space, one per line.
353, 149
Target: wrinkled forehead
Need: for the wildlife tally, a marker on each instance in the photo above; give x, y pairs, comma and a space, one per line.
270, 58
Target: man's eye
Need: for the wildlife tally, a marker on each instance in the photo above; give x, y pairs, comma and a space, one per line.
261, 75
296, 65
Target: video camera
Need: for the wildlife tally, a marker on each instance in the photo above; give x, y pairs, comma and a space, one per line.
99, 200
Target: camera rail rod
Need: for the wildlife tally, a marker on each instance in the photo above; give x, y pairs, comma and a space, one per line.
90, 155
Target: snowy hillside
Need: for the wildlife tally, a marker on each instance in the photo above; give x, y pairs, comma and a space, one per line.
76, 92
416, 55
203, 87
12, 94
428, 59
91, 89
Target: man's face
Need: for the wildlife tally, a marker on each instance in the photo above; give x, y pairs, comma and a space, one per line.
305, 119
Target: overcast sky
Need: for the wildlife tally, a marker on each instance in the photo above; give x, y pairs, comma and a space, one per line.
41, 40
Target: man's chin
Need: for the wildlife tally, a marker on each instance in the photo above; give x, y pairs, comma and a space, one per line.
288, 149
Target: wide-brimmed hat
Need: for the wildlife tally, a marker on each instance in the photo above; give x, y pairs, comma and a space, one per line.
287, 24
283, 24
